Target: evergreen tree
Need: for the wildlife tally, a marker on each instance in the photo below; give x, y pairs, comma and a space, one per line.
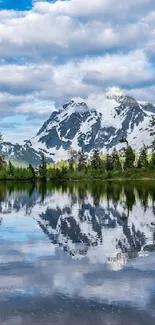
143, 159
2, 162
2, 159
72, 154
64, 172
11, 168
81, 160
115, 161
43, 168
96, 162
32, 171
109, 164
129, 156
152, 161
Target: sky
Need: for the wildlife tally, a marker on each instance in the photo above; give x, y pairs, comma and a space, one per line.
51, 51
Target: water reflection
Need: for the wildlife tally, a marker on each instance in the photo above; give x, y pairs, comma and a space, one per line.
80, 244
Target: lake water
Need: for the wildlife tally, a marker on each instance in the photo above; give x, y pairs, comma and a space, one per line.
77, 254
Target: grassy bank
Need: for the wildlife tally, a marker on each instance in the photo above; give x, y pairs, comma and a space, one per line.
90, 175
22, 174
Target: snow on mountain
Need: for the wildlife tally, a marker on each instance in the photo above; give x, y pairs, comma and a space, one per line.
20, 154
97, 122
115, 93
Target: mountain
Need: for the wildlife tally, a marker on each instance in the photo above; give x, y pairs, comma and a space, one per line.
95, 123
20, 154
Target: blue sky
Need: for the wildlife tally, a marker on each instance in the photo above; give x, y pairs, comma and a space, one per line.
53, 50
16, 4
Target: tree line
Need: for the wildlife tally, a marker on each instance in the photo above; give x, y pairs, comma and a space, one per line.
114, 161
79, 164
9, 171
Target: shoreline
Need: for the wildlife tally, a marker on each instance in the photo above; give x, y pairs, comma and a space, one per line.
120, 179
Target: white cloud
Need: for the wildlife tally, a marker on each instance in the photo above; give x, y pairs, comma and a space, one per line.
68, 35
19, 135
73, 48
36, 108
144, 94
95, 7
73, 78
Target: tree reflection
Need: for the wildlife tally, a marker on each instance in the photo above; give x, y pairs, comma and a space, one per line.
81, 214
112, 190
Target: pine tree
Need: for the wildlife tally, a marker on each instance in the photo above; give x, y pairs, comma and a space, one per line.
2, 162
81, 160
11, 168
72, 158
96, 162
143, 159
129, 156
2, 159
32, 171
43, 168
115, 161
109, 164
152, 161
64, 172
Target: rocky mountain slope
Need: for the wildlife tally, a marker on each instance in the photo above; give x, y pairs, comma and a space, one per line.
20, 154
88, 124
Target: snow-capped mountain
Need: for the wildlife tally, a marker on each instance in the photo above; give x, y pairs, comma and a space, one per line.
98, 122
20, 154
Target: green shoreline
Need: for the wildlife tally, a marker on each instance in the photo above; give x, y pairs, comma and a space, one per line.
120, 179
113, 168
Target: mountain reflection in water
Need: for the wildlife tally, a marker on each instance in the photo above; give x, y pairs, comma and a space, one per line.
77, 253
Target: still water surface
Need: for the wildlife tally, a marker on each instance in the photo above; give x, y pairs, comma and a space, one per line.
77, 254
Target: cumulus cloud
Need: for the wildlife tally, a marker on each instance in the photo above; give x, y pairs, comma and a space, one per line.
63, 49
144, 94
83, 76
96, 8
67, 35
25, 105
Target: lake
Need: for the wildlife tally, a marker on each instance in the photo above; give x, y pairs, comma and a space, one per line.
77, 253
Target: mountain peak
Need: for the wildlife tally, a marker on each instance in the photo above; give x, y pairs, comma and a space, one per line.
77, 100
115, 93
97, 122
76, 104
